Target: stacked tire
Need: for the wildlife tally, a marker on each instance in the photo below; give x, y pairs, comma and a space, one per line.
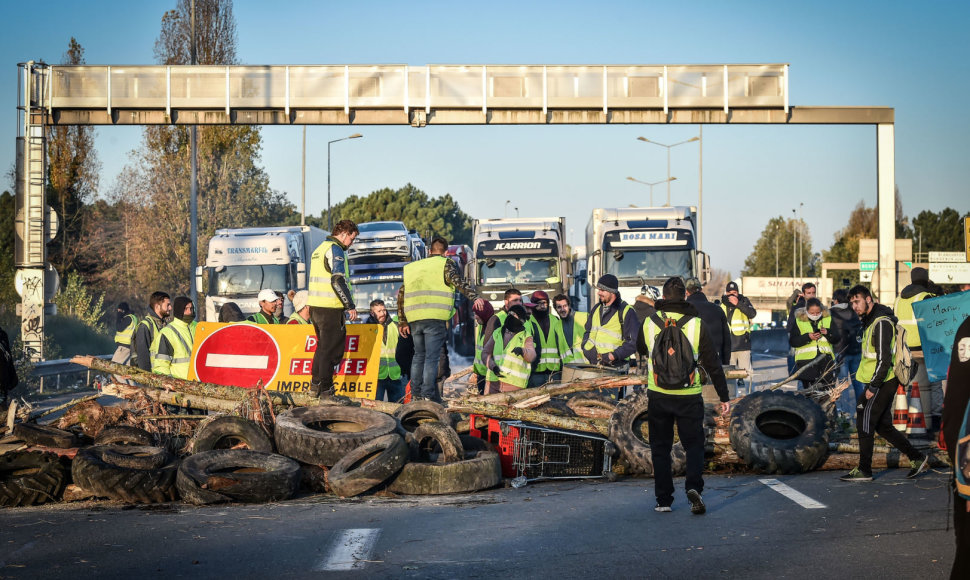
779, 432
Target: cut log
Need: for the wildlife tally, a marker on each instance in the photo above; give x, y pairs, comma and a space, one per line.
794, 375
531, 416
64, 406
555, 389
172, 398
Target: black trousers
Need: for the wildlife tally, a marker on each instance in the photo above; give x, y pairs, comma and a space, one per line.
875, 416
328, 323
961, 528
688, 412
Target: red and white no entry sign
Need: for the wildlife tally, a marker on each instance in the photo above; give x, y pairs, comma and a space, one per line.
241, 355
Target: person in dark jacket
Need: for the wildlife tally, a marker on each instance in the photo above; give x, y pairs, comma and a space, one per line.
715, 323
796, 301
159, 308
644, 304
954, 409
8, 370
874, 412
230, 312
739, 311
812, 337
612, 328
921, 288
846, 323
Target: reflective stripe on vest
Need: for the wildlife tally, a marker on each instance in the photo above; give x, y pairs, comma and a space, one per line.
550, 358
740, 324
606, 338
320, 287
123, 337
867, 365
904, 312
389, 368
153, 329
479, 363
426, 296
575, 352
815, 347
176, 364
515, 371
693, 331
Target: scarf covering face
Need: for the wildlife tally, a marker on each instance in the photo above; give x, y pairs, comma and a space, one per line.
515, 321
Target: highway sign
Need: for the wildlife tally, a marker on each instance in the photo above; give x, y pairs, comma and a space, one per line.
241, 355
865, 276
950, 272
948, 257
868, 266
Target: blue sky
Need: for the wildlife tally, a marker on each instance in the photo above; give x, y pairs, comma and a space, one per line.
906, 55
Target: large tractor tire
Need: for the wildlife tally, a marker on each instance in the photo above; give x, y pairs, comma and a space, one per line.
323, 435
628, 431
779, 432
30, 478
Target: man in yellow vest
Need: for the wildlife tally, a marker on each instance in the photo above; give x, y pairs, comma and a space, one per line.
739, 311
425, 304
175, 341
549, 341
874, 411
329, 296
610, 336
125, 325
679, 402
146, 334
921, 288
269, 302
573, 327
389, 374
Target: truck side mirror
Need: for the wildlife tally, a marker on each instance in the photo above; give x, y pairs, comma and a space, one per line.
704, 267
198, 280
301, 275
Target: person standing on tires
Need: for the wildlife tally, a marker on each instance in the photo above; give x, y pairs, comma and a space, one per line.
739, 311
329, 297
874, 411
680, 403
424, 307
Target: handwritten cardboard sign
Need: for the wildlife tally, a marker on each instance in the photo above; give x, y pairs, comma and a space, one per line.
938, 320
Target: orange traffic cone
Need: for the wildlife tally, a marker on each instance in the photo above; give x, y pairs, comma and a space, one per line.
917, 422
900, 410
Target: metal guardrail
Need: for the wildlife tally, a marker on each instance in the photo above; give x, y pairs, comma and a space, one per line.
55, 368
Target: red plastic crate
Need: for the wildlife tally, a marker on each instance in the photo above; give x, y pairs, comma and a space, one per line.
503, 437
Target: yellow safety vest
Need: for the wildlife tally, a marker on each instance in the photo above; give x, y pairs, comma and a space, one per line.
739, 322
176, 364
295, 318
153, 327
867, 365
479, 363
515, 371
609, 337
123, 337
907, 318
320, 289
575, 352
261, 318
693, 331
426, 296
389, 368
814, 348
550, 346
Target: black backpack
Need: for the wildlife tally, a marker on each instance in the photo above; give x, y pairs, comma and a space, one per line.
672, 356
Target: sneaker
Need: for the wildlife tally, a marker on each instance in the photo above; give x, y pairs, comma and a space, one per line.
918, 466
696, 503
856, 475
662, 508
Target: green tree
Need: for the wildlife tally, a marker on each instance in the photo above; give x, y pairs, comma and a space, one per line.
429, 216
8, 294
773, 252
75, 300
938, 231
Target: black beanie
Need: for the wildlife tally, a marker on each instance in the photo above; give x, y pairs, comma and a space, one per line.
178, 306
609, 283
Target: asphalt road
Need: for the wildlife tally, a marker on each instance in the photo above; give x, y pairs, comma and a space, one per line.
890, 528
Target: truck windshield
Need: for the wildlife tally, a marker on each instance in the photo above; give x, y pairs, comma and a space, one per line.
641, 263
247, 280
520, 271
365, 292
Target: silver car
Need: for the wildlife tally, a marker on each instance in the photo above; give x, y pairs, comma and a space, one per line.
382, 242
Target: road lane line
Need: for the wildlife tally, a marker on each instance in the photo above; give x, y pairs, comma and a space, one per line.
236, 361
792, 494
350, 550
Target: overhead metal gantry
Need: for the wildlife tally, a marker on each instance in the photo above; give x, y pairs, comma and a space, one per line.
401, 95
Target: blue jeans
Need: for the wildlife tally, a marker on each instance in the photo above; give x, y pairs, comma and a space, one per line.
394, 388
429, 336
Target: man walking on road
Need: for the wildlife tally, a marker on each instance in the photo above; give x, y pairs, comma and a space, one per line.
425, 304
873, 412
329, 297
682, 403
146, 335
739, 312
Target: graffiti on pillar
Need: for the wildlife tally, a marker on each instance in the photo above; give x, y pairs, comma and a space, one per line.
30, 284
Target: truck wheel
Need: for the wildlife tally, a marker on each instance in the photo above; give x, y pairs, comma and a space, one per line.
45, 435
628, 431
30, 478
229, 432
322, 435
237, 475
369, 465
123, 435
135, 456
779, 432
92, 473
413, 414
479, 470
436, 438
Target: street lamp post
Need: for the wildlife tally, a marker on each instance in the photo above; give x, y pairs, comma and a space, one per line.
668, 147
507, 202
794, 246
650, 185
329, 143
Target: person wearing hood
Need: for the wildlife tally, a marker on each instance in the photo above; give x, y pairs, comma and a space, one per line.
389, 374
874, 410
681, 404
230, 312
509, 353
812, 337
739, 311
954, 410
610, 337
175, 341
301, 310
715, 323
921, 288
125, 324
846, 324
644, 304
553, 348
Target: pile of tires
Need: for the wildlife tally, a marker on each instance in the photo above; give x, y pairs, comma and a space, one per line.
629, 433
779, 432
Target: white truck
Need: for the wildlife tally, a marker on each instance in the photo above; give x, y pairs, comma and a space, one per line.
243, 261
643, 246
527, 254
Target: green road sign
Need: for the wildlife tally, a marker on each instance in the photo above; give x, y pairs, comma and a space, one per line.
868, 266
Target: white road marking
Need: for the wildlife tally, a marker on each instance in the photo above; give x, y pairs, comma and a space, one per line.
350, 550
236, 361
794, 495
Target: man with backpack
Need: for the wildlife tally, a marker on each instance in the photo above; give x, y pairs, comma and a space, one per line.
874, 409
676, 345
